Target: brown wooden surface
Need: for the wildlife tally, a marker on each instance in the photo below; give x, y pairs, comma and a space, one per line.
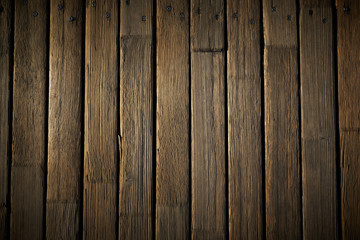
101, 121
29, 119
282, 150
64, 146
136, 120
208, 145
318, 120
244, 120
348, 49
5, 53
172, 120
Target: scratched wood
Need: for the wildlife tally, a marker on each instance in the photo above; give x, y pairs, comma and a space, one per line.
101, 124
348, 49
282, 150
64, 146
244, 120
5, 53
172, 120
29, 119
136, 120
318, 120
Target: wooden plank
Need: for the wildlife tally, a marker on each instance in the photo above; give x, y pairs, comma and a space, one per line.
5, 52
207, 25
101, 124
208, 145
136, 120
282, 150
64, 146
244, 120
348, 29
29, 119
172, 120
318, 120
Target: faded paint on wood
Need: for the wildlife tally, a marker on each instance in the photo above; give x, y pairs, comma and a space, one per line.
282, 143
101, 124
172, 121
136, 120
29, 119
318, 120
64, 146
349, 114
208, 145
244, 120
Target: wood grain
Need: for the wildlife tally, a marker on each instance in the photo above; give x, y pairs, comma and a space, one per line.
282, 143
318, 120
101, 121
136, 120
64, 146
29, 119
244, 120
5, 53
348, 49
208, 145
172, 121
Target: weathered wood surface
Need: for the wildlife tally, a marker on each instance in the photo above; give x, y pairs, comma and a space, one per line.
318, 120
64, 141
244, 120
348, 49
101, 121
172, 121
136, 120
29, 119
282, 143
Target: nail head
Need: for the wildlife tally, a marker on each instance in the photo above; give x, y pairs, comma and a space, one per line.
235, 15
72, 19
311, 12
182, 15
35, 14
143, 18
93, 4
288, 17
127, 2
274, 9
107, 15
1, 9
168, 8
217, 16
324, 20
60, 7
252, 21
199, 11
346, 9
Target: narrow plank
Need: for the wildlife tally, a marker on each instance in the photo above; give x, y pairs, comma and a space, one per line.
29, 119
136, 120
64, 146
208, 145
318, 120
172, 120
101, 121
244, 120
207, 25
282, 143
348, 28
5, 30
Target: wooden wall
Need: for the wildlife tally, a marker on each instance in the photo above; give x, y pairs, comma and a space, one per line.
174, 119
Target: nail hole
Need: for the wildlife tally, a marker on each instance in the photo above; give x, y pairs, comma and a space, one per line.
288, 17
252, 21
60, 7
168, 8
107, 15
324, 20
1, 9
93, 4
311, 12
217, 16
235, 15
143, 18
35, 14
346, 9
182, 15
199, 11
72, 19
25, 2
273, 9
127, 2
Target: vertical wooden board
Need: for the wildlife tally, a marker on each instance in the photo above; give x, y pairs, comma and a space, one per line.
5, 52
244, 120
207, 25
282, 150
318, 120
348, 28
136, 120
172, 120
208, 146
101, 124
29, 101
64, 146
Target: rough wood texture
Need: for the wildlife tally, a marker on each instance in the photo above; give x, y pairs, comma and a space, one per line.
208, 146
29, 119
349, 114
207, 25
318, 120
282, 170
172, 120
5, 41
136, 120
101, 125
244, 120
64, 146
